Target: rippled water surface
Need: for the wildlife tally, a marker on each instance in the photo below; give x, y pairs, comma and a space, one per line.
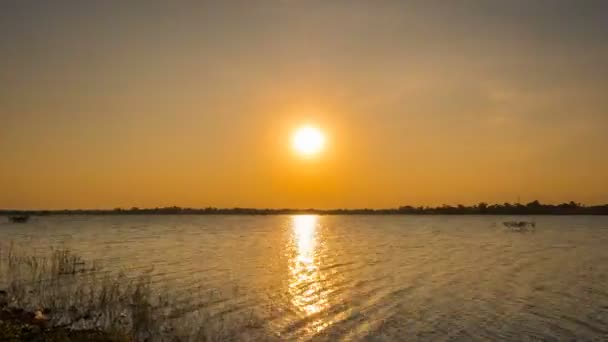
362, 277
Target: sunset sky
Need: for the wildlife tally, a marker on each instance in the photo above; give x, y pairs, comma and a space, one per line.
105, 104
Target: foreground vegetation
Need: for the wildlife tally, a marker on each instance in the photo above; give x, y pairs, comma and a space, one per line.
61, 297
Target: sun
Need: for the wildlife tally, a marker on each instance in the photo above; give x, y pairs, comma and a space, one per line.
308, 141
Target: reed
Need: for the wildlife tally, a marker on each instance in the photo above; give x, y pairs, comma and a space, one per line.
63, 291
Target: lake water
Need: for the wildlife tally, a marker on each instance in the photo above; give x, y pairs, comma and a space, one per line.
408, 278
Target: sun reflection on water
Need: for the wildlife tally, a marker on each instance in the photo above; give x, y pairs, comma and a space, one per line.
306, 282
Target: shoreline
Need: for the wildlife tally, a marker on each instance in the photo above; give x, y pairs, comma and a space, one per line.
533, 208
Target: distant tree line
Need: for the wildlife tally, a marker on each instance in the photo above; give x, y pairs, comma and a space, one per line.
532, 208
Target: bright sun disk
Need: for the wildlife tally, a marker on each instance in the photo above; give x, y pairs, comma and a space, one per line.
308, 140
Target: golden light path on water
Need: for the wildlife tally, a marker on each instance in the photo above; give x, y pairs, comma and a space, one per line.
306, 280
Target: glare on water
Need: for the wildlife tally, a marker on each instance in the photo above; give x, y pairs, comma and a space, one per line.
306, 283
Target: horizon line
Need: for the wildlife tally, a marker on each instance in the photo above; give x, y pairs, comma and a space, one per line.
504, 205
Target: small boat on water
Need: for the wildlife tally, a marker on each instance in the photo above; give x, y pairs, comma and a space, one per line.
520, 226
19, 218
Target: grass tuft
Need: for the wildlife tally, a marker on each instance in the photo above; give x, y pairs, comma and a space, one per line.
62, 297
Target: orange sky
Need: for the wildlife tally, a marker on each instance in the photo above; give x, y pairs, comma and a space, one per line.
106, 105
